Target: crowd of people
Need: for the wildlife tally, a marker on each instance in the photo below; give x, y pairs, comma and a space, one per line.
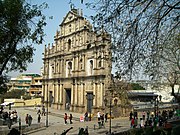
28, 119
66, 117
101, 117
9, 117
150, 119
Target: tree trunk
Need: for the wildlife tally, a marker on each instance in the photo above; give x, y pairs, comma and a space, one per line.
176, 96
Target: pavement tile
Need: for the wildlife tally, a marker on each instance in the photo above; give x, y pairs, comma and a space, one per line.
56, 124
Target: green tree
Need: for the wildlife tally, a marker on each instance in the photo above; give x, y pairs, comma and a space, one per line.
14, 94
136, 86
120, 89
3, 86
21, 26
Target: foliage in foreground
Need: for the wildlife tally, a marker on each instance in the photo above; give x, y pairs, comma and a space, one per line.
21, 26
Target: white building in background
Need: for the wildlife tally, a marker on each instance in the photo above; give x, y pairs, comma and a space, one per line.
23, 82
163, 89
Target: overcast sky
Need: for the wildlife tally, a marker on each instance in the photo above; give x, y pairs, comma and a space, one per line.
57, 9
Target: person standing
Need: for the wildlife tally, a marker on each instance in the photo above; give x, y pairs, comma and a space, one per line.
102, 120
86, 116
148, 114
1, 109
135, 122
67, 106
65, 118
11, 117
130, 115
38, 111
141, 123
143, 115
9, 120
106, 117
39, 118
132, 123
99, 118
99, 115
15, 116
43, 110
29, 120
26, 119
70, 118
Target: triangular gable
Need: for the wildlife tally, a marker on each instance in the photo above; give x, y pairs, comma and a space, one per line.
70, 16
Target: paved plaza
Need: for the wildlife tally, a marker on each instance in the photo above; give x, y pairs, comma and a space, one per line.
56, 124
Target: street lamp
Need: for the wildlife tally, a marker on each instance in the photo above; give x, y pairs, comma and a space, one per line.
156, 104
160, 97
110, 108
47, 108
110, 104
105, 102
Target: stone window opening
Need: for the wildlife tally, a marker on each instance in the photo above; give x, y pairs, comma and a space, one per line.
57, 67
88, 46
99, 61
99, 64
81, 64
53, 70
69, 44
69, 68
70, 28
91, 67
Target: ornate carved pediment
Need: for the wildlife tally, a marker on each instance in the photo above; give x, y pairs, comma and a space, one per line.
73, 14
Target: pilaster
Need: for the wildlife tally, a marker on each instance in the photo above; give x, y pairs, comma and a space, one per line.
61, 93
58, 93
72, 98
82, 94
95, 93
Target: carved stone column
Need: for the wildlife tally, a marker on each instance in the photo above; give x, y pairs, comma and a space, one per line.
45, 94
72, 94
94, 92
58, 93
102, 59
76, 94
95, 60
54, 90
74, 63
82, 94
98, 94
61, 93
43, 89
83, 67
101, 94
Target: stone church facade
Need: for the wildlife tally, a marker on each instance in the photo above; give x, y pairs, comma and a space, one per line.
76, 66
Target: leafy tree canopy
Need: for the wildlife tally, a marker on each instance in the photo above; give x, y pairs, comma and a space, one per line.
14, 94
21, 26
3, 86
136, 86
